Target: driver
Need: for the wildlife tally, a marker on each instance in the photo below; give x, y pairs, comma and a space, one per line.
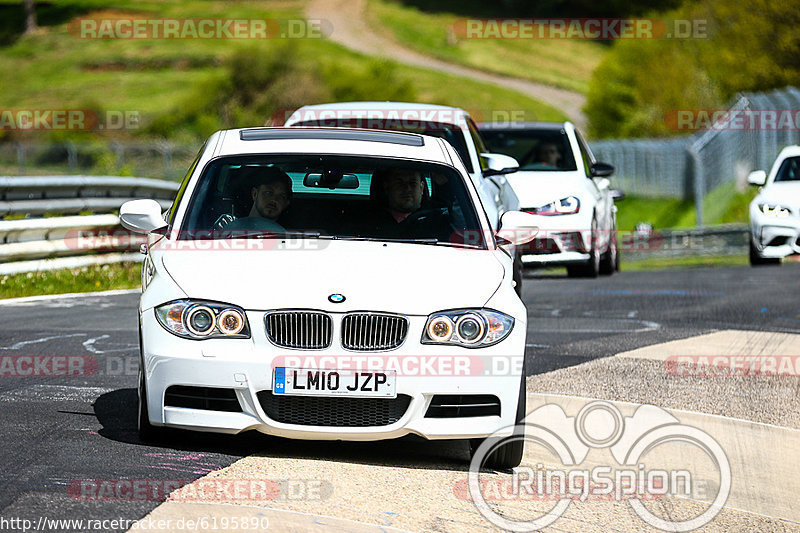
401, 209
549, 155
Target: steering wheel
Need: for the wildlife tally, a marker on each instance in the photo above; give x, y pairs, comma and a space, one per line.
433, 212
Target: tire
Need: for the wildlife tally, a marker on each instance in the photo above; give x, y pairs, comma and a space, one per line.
518, 267
147, 431
609, 262
591, 268
508, 454
757, 260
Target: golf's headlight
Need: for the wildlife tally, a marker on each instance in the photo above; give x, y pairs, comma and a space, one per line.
565, 206
202, 320
467, 327
774, 210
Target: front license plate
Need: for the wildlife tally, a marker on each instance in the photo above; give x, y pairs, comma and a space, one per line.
313, 382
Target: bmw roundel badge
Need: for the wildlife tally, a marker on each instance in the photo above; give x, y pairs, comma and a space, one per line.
336, 298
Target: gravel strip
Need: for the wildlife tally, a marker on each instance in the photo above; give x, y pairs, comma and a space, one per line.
769, 400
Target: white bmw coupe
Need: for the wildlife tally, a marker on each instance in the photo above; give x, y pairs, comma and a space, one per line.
775, 212
331, 284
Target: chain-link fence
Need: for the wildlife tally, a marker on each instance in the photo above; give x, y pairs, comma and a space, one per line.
162, 159
731, 146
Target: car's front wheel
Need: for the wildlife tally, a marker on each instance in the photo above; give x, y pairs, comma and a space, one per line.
757, 260
508, 453
609, 262
147, 431
591, 268
518, 268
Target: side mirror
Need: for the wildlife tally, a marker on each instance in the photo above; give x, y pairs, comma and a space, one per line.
497, 164
517, 227
617, 195
142, 216
757, 177
601, 170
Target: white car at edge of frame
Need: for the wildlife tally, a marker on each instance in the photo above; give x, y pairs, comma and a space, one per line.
567, 189
318, 323
775, 212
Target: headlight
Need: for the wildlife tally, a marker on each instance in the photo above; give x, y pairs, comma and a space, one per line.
467, 327
565, 206
203, 320
774, 210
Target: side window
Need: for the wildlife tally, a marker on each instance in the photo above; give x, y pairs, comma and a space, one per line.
477, 141
586, 155
174, 209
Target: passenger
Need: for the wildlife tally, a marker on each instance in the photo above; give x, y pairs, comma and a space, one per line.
271, 193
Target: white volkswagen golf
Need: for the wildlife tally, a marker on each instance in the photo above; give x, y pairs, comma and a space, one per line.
330, 284
560, 182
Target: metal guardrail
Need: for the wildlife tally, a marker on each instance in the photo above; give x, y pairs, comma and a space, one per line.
730, 239
59, 241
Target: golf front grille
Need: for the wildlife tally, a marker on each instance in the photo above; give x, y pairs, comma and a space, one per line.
373, 331
333, 411
306, 330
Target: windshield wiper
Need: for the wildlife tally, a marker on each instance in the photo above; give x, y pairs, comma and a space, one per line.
250, 234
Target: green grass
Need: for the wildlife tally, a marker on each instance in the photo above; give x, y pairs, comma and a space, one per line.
86, 279
723, 205
562, 63
631, 265
52, 69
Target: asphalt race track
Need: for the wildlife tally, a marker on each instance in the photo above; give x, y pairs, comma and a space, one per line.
58, 430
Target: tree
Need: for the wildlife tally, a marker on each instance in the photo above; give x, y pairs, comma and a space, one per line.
30, 16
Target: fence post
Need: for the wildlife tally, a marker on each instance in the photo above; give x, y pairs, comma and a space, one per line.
698, 181
21, 159
72, 157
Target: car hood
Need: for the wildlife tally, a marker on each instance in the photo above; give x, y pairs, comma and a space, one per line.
535, 189
781, 192
404, 278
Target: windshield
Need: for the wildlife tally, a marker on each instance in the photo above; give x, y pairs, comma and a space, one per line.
790, 170
335, 197
546, 149
449, 132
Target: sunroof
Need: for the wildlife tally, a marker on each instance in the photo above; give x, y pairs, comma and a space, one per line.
391, 137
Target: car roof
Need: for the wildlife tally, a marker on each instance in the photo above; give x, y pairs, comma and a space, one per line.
386, 105
511, 126
381, 111
335, 141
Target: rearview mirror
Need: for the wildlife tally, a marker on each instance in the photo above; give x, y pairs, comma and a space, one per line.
757, 177
142, 216
331, 179
601, 170
617, 195
497, 164
517, 227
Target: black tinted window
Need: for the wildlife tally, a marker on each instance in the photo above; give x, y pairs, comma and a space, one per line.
534, 149
334, 197
790, 170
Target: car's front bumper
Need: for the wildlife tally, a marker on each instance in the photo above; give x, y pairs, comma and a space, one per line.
246, 367
775, 238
